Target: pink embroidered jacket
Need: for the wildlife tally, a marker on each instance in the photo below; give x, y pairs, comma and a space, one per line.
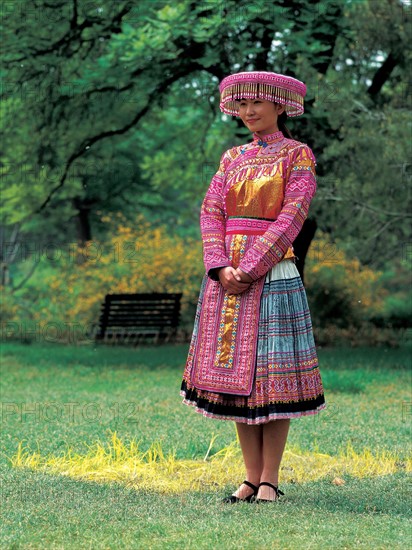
256, 204
253, 210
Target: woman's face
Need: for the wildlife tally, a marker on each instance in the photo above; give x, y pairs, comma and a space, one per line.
260, 115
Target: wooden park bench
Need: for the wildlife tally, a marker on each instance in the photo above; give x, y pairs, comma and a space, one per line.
134, 318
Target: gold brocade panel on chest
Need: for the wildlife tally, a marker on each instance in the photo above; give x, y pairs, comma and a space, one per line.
256, 198
256, 191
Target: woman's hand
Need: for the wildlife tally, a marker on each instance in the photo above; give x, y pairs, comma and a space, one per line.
244, 277
234, 280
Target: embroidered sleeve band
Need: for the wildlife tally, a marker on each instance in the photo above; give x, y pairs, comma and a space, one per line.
212, 223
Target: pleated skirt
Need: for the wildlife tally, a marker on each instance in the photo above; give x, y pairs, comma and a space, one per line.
287, 381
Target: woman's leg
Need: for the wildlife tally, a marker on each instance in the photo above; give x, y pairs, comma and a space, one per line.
251, 443
275, 434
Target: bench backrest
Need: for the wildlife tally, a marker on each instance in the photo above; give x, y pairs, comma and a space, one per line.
139, 313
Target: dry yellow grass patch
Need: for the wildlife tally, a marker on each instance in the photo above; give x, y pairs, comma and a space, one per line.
154, 471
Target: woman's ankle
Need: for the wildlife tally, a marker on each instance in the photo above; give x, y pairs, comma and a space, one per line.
269, 477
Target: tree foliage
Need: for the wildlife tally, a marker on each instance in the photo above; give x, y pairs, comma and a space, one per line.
114, 107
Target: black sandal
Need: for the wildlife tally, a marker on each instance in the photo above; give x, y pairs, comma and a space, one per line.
232, 498
277, 492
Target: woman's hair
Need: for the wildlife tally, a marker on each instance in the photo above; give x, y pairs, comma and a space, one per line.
282, 125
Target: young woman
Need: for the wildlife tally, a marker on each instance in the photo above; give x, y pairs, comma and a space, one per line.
252, 357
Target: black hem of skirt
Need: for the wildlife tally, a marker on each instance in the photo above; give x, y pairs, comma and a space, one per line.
251, 413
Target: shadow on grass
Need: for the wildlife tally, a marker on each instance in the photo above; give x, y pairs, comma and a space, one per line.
24, 489
174, 356
385, 494
100, 356
351, 382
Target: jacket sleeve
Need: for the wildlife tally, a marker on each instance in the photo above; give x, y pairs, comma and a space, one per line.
213, 223
300, 188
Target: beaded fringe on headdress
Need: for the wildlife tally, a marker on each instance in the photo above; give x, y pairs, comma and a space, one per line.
278, 88
293, 101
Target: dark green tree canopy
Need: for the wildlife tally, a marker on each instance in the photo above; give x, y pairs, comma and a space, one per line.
114, 105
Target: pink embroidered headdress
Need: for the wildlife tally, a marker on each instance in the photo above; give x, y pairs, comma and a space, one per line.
271, 86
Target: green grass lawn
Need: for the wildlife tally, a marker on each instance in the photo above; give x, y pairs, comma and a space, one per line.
56, 396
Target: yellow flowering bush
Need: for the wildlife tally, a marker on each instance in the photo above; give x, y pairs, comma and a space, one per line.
343, 294
63, 299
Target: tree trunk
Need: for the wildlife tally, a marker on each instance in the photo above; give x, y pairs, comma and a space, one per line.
83, 228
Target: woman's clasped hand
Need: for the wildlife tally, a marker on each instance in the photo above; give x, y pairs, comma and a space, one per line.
234, 281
